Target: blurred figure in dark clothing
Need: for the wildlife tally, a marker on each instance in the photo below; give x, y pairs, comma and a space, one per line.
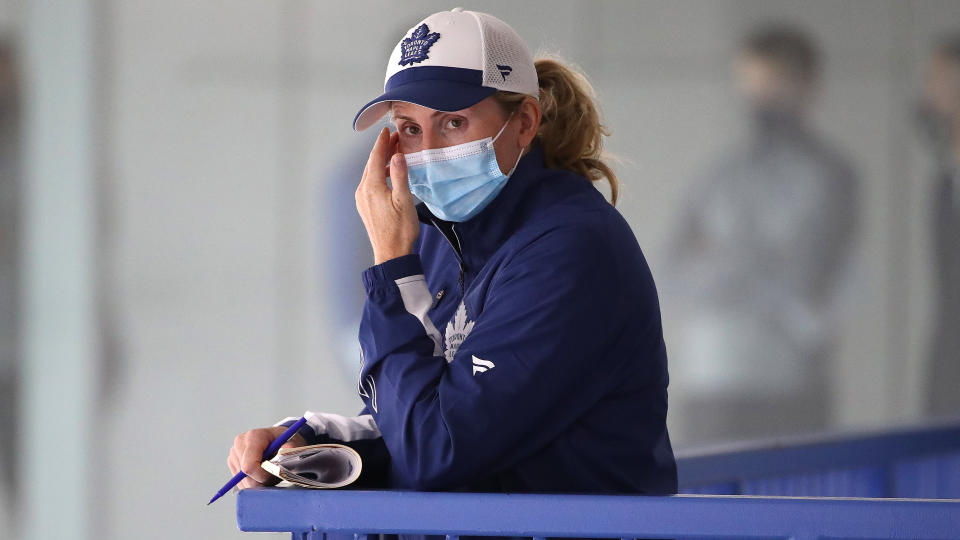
939, 116
758, 259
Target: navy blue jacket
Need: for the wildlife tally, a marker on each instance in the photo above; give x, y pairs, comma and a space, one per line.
519, 351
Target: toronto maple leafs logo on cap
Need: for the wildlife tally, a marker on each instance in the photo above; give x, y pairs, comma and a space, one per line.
414, 48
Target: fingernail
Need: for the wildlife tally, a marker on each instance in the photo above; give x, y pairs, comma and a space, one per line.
398, 161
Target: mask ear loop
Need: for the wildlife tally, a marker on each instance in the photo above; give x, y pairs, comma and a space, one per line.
497, 136
515, 164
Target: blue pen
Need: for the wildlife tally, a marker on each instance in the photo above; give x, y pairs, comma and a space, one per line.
267, 454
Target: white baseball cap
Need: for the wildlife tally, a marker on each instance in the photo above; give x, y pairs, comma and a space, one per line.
450, 61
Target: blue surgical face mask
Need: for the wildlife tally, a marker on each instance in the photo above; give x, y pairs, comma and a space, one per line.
457, 182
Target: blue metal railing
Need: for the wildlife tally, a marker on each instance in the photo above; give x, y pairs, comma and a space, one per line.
836, 486
306, 513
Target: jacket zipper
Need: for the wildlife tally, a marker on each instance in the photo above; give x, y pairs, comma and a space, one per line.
457, 250
463, 267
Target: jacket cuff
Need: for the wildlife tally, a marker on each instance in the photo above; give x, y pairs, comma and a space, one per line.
306, 431
386, 273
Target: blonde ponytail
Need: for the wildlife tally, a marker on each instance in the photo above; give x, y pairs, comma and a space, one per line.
571, 134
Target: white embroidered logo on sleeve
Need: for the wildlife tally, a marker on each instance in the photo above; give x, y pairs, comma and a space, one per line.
457, 330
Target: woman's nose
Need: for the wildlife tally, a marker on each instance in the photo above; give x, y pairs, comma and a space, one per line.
431, 139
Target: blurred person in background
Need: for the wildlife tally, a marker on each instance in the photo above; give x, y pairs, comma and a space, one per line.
939, 118
9, 275
758, 256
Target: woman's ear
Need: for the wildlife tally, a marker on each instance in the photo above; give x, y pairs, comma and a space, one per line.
529, 113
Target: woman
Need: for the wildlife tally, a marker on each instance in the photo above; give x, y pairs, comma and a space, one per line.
511, 337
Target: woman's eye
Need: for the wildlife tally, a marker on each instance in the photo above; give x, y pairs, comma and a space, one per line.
411, 130
454, 123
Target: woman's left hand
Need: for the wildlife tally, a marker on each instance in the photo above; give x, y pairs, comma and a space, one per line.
247, 454
388, 214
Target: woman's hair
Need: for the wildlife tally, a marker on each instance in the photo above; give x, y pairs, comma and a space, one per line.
570, 134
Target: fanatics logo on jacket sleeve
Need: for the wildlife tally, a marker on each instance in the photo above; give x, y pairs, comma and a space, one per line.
457, 330
414, 48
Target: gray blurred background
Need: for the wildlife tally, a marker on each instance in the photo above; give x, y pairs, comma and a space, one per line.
180, 254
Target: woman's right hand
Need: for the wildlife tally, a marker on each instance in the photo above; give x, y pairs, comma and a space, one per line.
247, 454
388, 212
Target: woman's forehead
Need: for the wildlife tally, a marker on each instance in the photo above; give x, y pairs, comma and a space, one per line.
412, 110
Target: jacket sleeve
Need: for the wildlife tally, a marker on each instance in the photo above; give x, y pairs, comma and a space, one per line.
529, 367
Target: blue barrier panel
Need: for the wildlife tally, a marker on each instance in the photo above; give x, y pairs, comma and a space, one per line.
858, 464
307, 512
935, 477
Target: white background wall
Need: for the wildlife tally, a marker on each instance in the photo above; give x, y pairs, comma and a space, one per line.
218, 120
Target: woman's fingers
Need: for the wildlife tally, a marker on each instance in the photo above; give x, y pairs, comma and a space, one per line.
233, 461
375, 175
388, 214
246, 454
247, 483
256, 441
377, 169
392, 146
401, 185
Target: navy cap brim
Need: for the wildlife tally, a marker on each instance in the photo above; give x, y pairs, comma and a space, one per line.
431, 89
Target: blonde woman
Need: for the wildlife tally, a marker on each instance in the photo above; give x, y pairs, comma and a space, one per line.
511, 337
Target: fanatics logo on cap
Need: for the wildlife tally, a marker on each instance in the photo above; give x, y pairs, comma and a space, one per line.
414, 48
